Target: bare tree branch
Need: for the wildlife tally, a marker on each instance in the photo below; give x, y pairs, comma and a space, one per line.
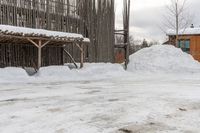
176, 17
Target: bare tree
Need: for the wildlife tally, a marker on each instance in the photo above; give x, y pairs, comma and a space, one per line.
177, 17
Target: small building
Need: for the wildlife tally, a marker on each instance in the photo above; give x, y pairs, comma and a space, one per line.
27, 47
93, 19
188, 41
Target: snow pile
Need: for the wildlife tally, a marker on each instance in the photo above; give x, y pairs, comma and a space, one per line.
88, 72
51, 71
163, 58
102, 69
12, 74
160, 59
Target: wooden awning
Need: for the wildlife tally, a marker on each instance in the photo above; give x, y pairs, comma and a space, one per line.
13, 34
40, 38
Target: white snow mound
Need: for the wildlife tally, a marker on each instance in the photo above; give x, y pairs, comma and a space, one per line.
163, 58
102, 70
89, 71
54, 71
11, 74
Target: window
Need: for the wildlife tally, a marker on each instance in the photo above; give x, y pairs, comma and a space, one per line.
184, 45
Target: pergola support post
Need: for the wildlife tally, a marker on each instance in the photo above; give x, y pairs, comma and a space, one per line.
80, 46
39, 45
82, 56
39, 54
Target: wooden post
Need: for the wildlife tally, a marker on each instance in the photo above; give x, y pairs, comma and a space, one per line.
82, 56
39, 54
80, 46
39, 46
126, 55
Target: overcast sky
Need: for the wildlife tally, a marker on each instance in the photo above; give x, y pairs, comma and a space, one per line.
147, 17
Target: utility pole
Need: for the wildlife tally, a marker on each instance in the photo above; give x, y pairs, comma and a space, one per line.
177, 22
125, 32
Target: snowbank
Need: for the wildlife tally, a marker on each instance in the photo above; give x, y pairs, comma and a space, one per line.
90, 71
163, 58
102, 70
51, 71
12, 74
157, 59
93, 71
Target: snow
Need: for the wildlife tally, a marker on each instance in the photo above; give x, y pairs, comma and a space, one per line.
187, 31
11, 74
163, 58
23, 30
103, 97
91, 71
87, 40
145, 103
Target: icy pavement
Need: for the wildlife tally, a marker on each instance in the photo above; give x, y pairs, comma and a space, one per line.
138, 104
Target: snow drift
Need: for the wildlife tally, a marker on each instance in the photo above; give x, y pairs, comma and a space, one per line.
11, 74
163, 58
91, 71
88, 72
51, 71
160, 59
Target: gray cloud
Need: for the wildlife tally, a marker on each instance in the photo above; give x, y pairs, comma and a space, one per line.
148, 21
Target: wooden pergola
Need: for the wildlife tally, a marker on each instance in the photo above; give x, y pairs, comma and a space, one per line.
41, 40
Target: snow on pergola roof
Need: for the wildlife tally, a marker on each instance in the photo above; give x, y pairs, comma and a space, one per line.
40, 38
30, 32
37, 32
187, 31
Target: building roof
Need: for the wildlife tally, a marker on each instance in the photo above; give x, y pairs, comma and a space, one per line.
187, 31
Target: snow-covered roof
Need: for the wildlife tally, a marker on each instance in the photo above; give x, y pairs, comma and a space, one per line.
187, 31
21, 35
41, 32
30, 32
